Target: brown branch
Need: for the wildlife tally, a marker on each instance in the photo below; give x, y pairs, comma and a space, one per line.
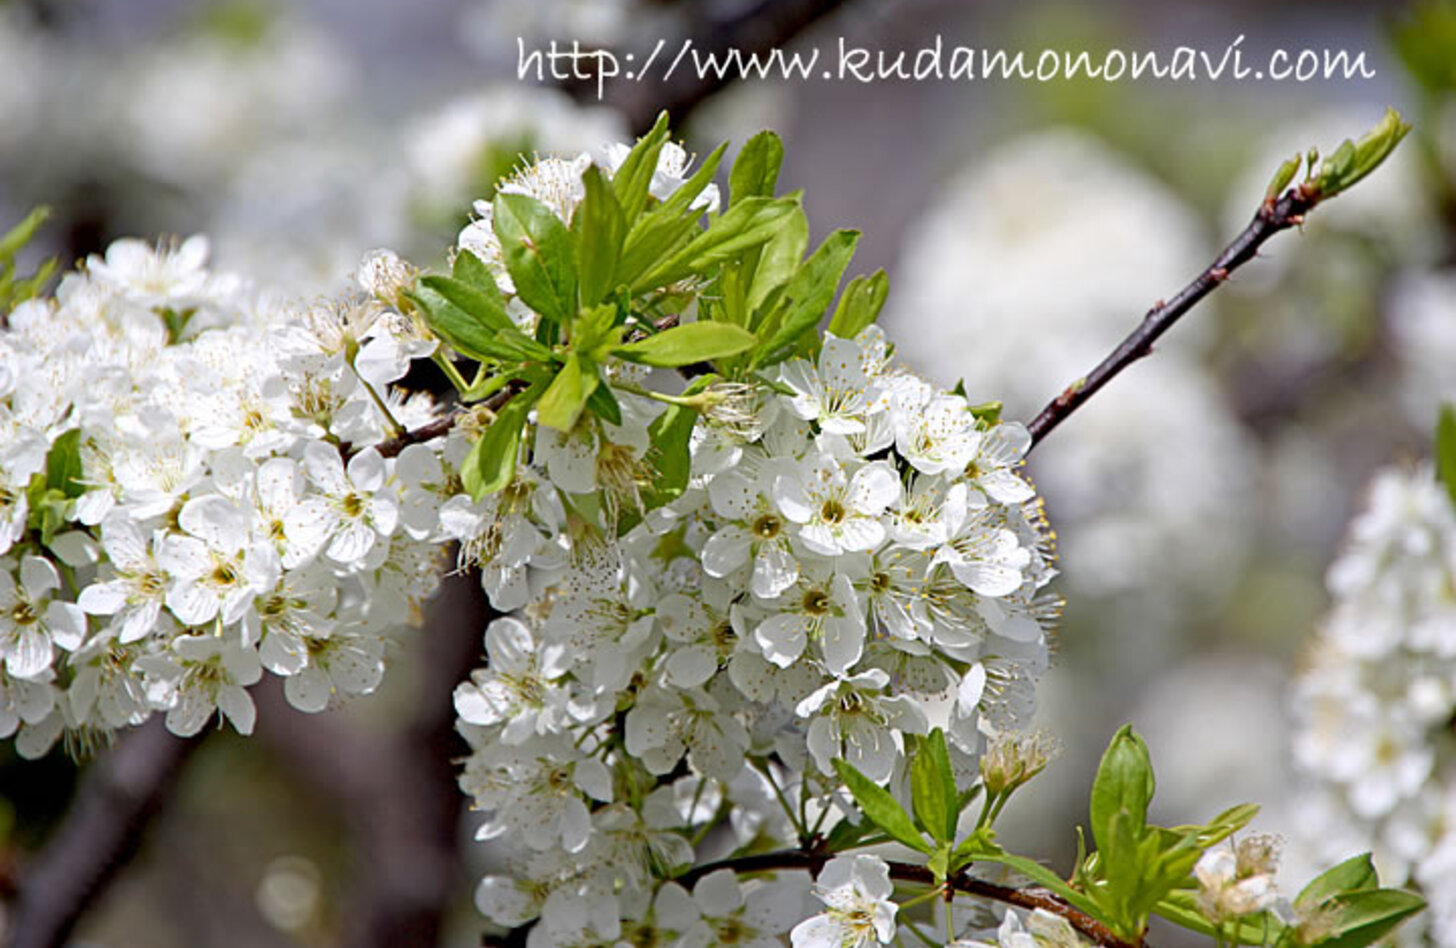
121, 793
758, 29
1273, 216
1031, 897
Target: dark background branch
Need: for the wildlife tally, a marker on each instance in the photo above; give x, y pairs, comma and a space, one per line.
121, 793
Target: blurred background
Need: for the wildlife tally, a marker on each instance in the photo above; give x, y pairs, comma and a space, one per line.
1026, 226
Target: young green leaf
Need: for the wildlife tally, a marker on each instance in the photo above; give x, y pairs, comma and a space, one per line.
600, 228
491, 464
540, 254
1445, 449
471, 337
807, 296
604, 404
1364, 917
756, 169
1352, 875
670, 435
1124, 782
634, 175
471, 301
64, 472
880, 808
472, 271
566, 396
778, 260
860, 304
747, 224
932, 788
688, 344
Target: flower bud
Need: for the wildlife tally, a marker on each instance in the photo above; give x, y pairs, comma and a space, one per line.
1013, 759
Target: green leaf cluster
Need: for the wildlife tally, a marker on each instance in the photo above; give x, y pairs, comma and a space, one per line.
1136, 870
610, 286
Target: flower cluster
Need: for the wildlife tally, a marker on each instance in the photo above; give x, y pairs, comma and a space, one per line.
855, 559
199, 483
1374, 706
178, 511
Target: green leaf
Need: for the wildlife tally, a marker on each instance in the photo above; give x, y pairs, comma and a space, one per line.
933, 789
778, 260
1354, 160
881, 808
634, 175
670, 435
471, 337
540, 254
1352, 875
63, 465
667, 227
1042, 876
688, 344
1364, 917
491, 464
1181, 908
471, 301
604, 403
600, 229
987, 413
566, 397
1446, 449
1124, 782
1282, 176
472, 271
748, 224
756, 169
860, 304
807, 296
845, 834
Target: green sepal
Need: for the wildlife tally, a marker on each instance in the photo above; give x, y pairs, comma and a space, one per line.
539, 253
880, 808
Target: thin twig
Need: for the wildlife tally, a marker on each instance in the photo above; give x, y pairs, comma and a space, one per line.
1272, 217
1030, 897
121, 793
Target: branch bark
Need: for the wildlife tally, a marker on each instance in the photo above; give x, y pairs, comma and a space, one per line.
1272, 217
756, 29
121, 793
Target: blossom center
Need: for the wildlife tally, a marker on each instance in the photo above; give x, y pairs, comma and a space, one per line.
767, 527
816, 602
832, 512
23, 613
